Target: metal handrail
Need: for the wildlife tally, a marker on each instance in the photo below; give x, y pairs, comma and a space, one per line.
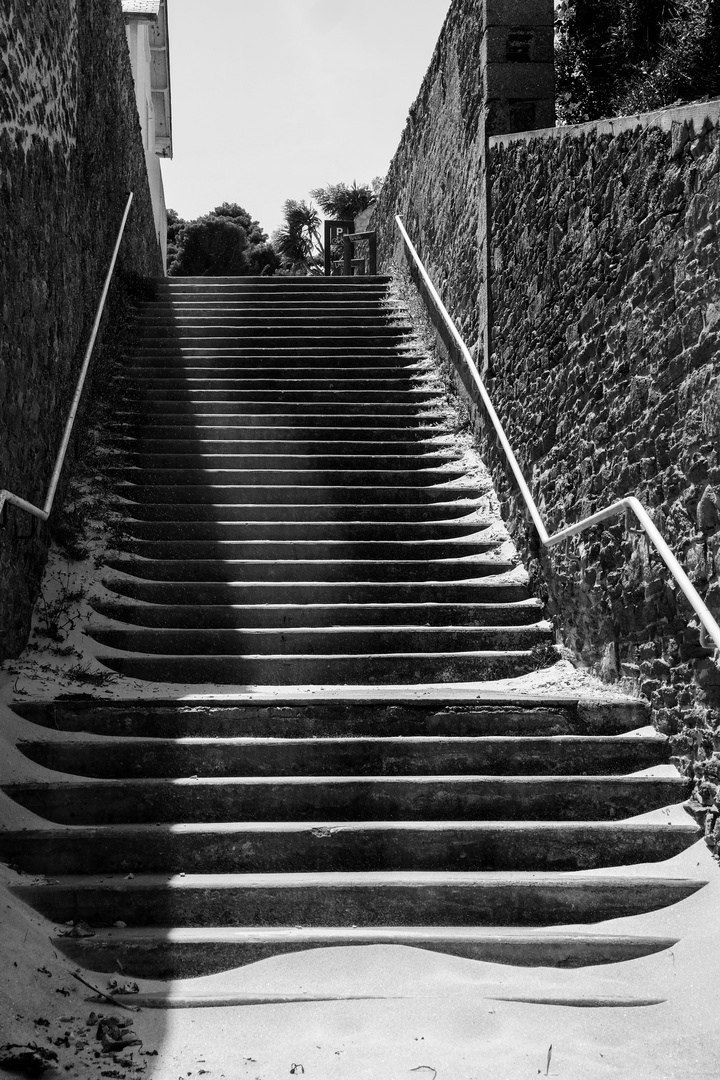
630, 503
43, 513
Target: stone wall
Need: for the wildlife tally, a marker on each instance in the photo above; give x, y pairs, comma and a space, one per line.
434, 179
605, 301
70, 150
491, 71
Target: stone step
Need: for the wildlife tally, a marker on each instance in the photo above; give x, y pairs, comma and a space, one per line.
353, 415
310, 476
426, 712
272, 332
309, 550
249, 616
327, 495
292, 462
192, 952
324, 669
345, 899
389, 439
169, 307
320, 531
227, 594
298, 513
377, 398
308, 798
312, 319
310, 570
175, 359
399, 755
277, 287
328, 640
281, 379
287, 353
369, 846
284, 446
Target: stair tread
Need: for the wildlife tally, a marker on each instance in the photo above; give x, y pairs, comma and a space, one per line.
367, 879
331, 934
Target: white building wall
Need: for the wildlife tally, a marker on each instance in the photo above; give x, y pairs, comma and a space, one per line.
138, 39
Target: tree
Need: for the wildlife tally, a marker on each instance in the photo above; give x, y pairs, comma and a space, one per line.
297, 241
341, 201
615, 57
175, 224
225, 242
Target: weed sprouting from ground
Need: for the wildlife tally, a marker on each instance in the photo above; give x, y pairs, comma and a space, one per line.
58, 614
84, 673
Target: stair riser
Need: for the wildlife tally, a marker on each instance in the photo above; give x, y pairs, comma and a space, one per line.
459, 798
520, 757
179, 570
252, 451
328, 641
302, 531
241, 382
170, 309
338, 718
307, 477
320, 463
283, 616
302, 419
175, 361
272, 333
295, 513
243, 373
303, 494
295, 396
274, 431
306, 550
293, 592
324, 670
276, 320
441, 905
354, 409
174, 960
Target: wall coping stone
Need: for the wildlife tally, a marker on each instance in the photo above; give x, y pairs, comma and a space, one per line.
664, 119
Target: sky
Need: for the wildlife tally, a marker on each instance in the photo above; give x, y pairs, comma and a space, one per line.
271, 98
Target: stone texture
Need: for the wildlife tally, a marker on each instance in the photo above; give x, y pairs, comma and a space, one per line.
434, 180
70, 150
604, 298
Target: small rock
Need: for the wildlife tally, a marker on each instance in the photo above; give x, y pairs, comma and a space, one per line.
120, 925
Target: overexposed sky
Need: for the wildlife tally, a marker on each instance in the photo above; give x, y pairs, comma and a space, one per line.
273, 97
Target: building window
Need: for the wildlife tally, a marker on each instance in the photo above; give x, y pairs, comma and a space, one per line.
517, 49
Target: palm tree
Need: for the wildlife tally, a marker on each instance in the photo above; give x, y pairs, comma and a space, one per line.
297, 241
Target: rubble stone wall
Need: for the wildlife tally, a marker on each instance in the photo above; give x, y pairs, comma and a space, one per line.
605, 306
434, 179
70, 150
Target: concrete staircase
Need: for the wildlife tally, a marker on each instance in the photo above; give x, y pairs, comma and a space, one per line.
298, 514
297, 518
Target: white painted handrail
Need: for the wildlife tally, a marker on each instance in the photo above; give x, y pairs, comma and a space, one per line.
43, 513
708, 624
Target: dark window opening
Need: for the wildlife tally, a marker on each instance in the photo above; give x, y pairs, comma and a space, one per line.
517, 49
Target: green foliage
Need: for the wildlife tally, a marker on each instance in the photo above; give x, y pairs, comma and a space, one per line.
225, 242
297, 241
617, 57
341, 201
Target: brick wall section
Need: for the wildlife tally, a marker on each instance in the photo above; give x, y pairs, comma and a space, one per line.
434, 180
605, 299
70, 149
